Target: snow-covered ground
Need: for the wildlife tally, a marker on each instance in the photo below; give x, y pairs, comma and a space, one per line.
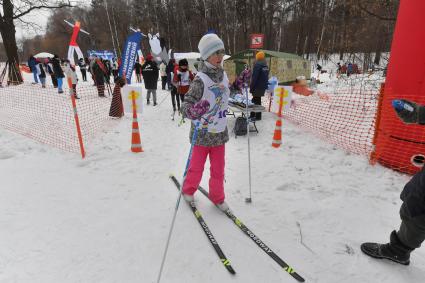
106, 218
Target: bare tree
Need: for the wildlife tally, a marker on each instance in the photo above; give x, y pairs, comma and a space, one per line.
14, 11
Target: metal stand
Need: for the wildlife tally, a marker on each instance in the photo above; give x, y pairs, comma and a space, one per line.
248, 199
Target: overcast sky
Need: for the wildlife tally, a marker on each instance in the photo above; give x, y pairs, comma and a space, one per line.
39, 17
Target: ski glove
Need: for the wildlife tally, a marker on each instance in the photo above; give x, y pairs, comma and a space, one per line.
198, 109
409, 112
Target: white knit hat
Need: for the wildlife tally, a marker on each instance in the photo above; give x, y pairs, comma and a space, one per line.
209, 44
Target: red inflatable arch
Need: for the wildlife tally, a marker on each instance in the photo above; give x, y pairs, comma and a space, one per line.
397, 145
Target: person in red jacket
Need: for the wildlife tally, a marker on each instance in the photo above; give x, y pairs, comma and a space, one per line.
182, 78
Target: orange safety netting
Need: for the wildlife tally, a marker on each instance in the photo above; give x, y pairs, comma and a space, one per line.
344, 114
48, 117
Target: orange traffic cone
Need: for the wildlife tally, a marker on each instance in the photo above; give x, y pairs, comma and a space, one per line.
136, 145
277, 136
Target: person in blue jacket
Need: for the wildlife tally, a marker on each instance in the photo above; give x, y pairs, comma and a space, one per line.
259, 82
32, 62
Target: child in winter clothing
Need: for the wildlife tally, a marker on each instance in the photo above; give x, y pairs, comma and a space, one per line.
174, 95
182, 78
206, 104
411, 234
71, 77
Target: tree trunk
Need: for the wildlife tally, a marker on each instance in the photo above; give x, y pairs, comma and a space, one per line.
7, 30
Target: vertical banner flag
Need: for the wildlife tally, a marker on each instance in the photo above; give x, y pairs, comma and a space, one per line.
129, 55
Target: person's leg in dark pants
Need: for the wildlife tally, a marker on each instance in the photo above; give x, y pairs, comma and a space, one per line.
181, 97
84, 74
412, 229
257, 101
164, 81
175, 99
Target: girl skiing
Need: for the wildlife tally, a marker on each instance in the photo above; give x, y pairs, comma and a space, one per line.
206, 105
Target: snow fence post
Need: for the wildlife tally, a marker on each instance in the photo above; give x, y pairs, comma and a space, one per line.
77, 120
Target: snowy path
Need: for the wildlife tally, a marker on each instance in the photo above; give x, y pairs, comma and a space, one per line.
105, 219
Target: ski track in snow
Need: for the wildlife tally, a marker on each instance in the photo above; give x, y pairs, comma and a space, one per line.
106, 218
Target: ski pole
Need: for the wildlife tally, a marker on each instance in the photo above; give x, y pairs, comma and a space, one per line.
249, 199
194, 137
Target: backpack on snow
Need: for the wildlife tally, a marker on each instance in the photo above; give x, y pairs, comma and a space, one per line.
240, 128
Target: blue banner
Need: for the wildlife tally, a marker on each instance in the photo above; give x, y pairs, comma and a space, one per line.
129, 55
104, 54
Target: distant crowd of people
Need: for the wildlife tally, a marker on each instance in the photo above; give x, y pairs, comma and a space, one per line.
58, 69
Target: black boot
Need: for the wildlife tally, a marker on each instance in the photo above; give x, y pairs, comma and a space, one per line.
395, 250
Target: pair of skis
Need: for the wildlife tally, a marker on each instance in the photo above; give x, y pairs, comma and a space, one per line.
244, 229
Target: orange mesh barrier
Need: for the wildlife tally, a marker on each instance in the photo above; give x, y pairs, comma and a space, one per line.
344, 115
399, 146
48, 117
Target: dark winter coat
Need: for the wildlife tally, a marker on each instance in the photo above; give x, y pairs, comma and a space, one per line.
413, 195
57, 69
150, 73
82, 65
137, 68
31, 63
260, 78
170, 67
42, 72
99, 72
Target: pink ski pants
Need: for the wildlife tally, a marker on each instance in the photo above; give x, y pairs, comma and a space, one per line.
196, 168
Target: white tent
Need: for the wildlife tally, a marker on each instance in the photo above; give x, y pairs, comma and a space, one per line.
43, 55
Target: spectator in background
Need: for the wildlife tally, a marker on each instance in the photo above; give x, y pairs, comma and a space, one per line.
108, 70
32, 62
83, 68
319, 68
162, 70
138, 71
115, 68
349, 69
99, 71
170, 70
41, 71
259, 82
57, 69
245, 77
150, 73
49, 68
338, 69
71, 77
